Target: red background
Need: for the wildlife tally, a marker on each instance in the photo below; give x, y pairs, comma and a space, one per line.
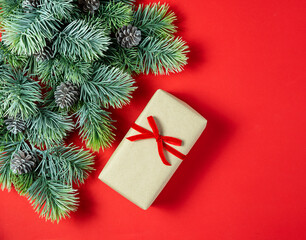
245, 177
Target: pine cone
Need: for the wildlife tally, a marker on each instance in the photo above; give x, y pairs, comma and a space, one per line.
45, 54
128, 36
89, 5
66, 95
29, 5
15, 125
23, 162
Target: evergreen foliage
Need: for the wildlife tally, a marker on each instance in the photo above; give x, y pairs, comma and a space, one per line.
123, 58
66, 164
8, 7
12, 59
27, 33
48, 128
51, 199
155, 20
55, 43
162, 55
82, 40
23, 182
5, 172
19, 94
50, 187
109, 86
115, 15
95, 126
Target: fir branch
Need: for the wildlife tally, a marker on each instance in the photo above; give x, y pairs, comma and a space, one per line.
51, 199
80, 164
114, 15
26, 33
49, 73
31, 65
23, 182
14, 60
60, 69
110, 86
95, 126
52, 165
66, 164
48, 128
155, 20
123, 58
5, 164
75, 72
82, 40
8, 7
19, 94
49, 102
162, 56
61, 10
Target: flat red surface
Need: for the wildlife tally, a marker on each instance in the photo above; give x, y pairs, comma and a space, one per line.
245, 177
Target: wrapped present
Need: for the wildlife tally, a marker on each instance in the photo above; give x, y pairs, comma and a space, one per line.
153, 148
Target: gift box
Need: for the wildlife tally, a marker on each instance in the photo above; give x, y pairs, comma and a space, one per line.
153, 149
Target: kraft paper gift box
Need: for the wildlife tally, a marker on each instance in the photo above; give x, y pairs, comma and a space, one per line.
136, 169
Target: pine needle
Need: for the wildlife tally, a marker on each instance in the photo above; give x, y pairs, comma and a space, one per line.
95, 126
109, 86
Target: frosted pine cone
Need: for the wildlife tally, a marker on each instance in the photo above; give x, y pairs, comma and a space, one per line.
29, 5
23, 162
89, 5
15, 125
128, 36
66, 95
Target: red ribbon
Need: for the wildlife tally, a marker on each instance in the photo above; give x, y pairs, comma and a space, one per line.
161, 140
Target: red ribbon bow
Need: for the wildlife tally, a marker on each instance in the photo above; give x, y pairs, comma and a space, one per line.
161, 140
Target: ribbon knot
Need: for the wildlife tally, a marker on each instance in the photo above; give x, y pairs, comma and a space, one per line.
160, 139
